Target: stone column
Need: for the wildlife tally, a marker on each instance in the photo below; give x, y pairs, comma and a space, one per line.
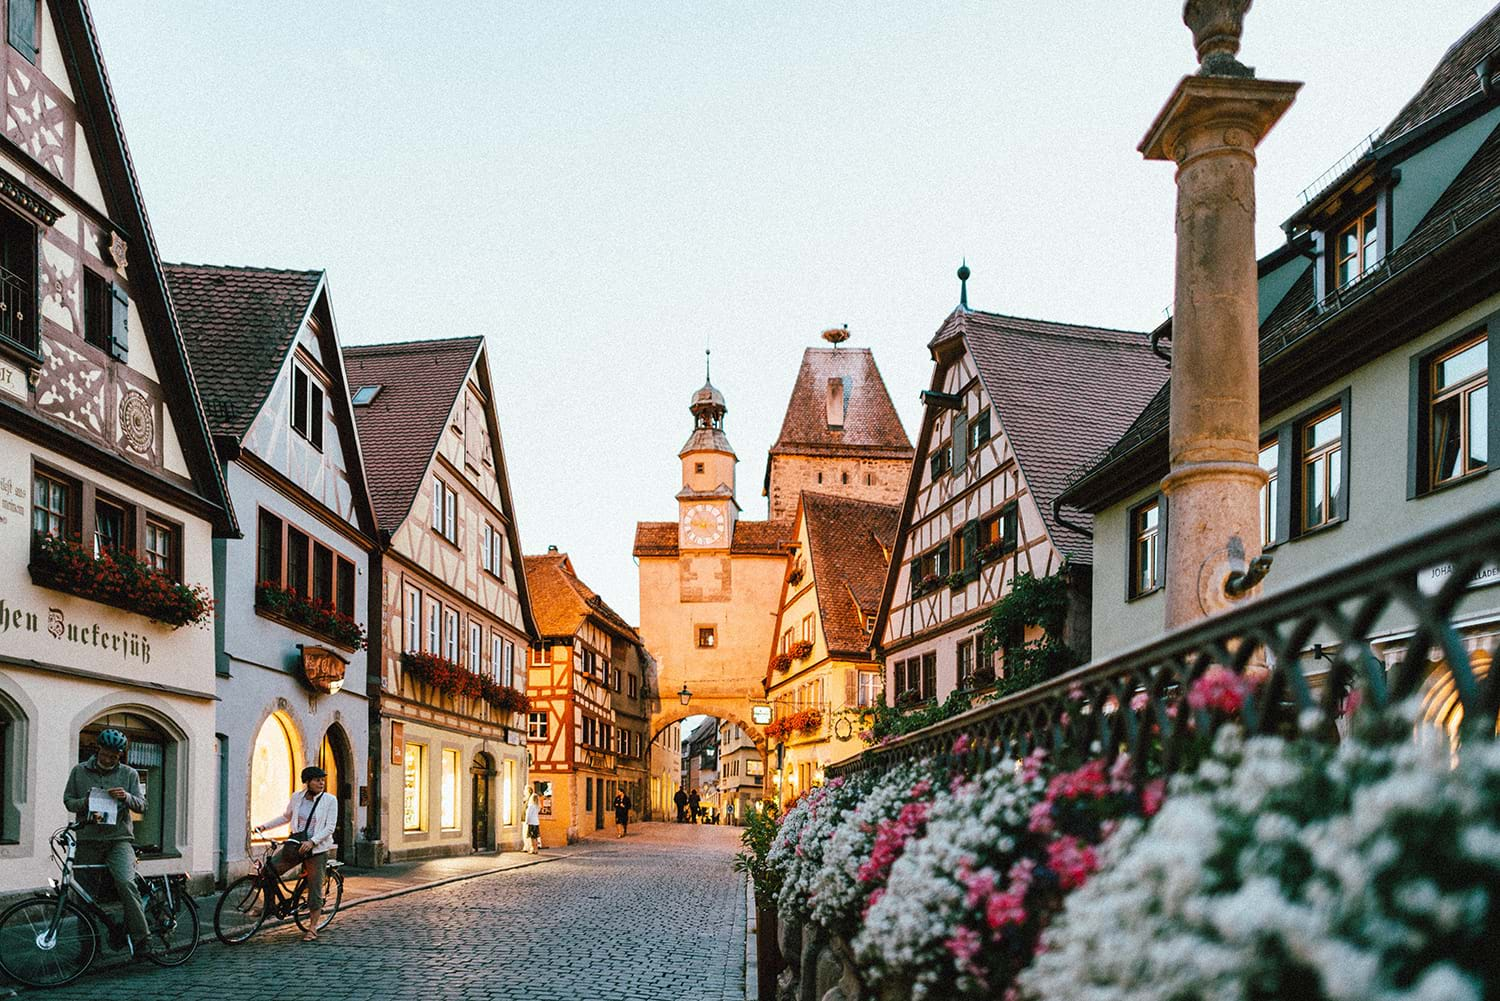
1210, 127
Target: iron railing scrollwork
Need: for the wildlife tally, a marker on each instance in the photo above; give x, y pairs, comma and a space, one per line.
1391, 625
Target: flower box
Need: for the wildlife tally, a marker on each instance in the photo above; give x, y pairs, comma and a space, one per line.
308, 614
782, 662
456, 680
117, 579
803, 721
991, 552
795, 577
801, 649
928, 584
957, 579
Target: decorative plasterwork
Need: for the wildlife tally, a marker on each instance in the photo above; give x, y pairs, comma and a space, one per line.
25, 198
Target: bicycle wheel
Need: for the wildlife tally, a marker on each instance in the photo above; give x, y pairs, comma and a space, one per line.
333, 895
241, 910
45, 942
174, 929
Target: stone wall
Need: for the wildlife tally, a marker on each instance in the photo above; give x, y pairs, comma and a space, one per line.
882, 480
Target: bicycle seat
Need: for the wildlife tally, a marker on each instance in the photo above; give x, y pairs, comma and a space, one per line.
334, 863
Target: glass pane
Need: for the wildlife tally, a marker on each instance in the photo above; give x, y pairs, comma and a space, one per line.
1447, 439
1346, 272
1147, 519
1324, 431
412, 806
1468, 362
272, 775
1371, 241
1349, 243
1316, 484
1479, 427
1335, 483
1270, 455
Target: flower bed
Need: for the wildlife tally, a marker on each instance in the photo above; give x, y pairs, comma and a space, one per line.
452, 679
310, 614
118, 579
801, 649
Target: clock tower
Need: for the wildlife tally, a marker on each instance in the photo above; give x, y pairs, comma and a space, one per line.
706, 509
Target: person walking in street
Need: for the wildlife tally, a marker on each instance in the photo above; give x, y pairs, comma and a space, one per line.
108, 835
694, 804
312, 816
622, 813
681, 799
533, 823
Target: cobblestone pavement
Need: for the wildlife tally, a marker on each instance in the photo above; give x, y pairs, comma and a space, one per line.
659, 915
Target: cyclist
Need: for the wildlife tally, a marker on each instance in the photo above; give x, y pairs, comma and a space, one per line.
312, 816
113, 844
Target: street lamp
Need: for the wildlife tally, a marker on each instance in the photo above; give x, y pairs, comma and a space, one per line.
684, 696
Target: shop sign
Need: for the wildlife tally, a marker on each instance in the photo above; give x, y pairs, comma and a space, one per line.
124, 643
1431, 580
760, 715
323, 669
398, 743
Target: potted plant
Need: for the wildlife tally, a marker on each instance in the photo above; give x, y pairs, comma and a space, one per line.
801, 649
957, 579
275, 601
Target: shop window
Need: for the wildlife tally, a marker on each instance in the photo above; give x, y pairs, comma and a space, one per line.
508, 794
450, 790
153, 754
273, 772
414, 806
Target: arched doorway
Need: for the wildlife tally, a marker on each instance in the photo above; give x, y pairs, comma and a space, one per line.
335, 759
482, 776
275, 769
152, 752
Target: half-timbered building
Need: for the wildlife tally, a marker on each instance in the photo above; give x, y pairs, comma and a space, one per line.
588, 734
1013, 404
447, 740
292, 609
110, 496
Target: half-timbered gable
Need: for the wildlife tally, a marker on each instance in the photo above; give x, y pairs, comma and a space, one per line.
454, 591
1012, 403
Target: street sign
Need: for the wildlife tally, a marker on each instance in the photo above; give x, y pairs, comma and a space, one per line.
760, 715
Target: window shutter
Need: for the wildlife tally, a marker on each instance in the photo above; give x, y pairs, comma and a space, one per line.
851, 687
1345, 453
119, 323
960, 440
437, 504
971, 548
22, 17
315, 418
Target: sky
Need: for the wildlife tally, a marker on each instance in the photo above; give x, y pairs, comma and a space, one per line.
603, 190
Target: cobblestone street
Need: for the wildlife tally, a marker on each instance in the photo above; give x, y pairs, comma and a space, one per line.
660, 915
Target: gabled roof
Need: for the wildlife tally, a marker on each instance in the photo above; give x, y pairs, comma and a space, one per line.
562, 603
399, 430
766, 538
1452, 80
1060, 391
849, 547
870, 420
239, 324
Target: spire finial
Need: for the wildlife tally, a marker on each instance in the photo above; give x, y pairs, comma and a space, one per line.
963, 284
708, 357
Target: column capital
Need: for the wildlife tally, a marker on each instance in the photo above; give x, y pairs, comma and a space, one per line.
1243, 107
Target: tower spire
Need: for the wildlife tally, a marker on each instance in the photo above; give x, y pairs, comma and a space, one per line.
708, 375
963, 285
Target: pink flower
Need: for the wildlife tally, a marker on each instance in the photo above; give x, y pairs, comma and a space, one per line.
1139, 701
964, 944
1041, 818
874, 899
1076, 693
1220, 690
1005, 909
978, 885
1072, 860
962, 743
1031, 765
1152, 795
1353, 701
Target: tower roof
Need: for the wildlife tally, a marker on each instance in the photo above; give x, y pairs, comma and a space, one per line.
869, 421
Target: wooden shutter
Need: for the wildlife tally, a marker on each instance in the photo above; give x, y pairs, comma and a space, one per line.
851, 687
119, 321
22, 17
960, 440
971, 548
315, 416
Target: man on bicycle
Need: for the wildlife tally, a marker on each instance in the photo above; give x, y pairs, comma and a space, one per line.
312, 816
113, 843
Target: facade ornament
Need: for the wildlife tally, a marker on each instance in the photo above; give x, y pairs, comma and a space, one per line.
118, 252
1216, 27
323, 669
137, 423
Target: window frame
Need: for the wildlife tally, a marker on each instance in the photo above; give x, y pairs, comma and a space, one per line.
27, 238
444, 510
70, 515
307, 407
1272, 503
1293, 463
411, 602
475, 652
538, 725
1372, 213
126, 534
710, 631
173, 533
1419, 471
1133, 591
417, 790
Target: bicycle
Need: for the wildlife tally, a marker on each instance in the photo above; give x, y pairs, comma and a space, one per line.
246, 903
51, 938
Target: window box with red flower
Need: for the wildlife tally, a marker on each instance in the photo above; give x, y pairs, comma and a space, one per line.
119, 579
795, 577
928, 584
308, 615
801, 649
782, 661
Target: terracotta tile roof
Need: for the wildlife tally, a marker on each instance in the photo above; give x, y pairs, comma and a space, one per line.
659, 538
562, 603
849, 546
238, 324
1061, 392
870, 421
1452, 80
400, 428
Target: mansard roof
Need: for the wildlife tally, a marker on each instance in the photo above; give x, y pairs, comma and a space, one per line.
400, 428
239, 324
849, 548
562, 603
870, 421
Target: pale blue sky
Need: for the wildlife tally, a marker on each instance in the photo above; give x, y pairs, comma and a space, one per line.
598, 188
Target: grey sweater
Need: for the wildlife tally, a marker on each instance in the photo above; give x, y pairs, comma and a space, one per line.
89, 775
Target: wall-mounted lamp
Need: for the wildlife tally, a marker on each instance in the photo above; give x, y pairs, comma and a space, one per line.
684, 696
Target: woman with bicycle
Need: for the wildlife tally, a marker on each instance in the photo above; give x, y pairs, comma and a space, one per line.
312, 815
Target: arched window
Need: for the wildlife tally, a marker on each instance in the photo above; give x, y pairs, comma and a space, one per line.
273, 770
153, 754
12, 769
1440, 703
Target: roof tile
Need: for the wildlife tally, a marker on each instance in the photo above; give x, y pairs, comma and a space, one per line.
849, 547
870, 420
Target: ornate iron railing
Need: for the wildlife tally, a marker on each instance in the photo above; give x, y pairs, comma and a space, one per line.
1314, 642
16, 322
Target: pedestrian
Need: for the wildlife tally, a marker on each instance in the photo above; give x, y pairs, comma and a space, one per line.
107, 836
729, 814
694, 804
313, 816
622, 813
533, 823
681, 799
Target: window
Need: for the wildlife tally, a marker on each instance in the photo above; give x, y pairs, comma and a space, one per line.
322, 574
536, 726
450, 790
21, 16
1270, 494
490, 552
54, 502
1458, 411
868, 689
942, 459
161, 547
965, 663
344, 590
836, 402
707, 638
1147, 544
588, 731
634, 686
932, 563
414, 806
307, 406
434, 617
965, 547
979, 431
1320, 439
1356, 250
18, 274
929, 675
807, 628
297, 545
111, 527
413, 619
698, 467
508, 662
97, 305
450, 635
268, 548
444, 511
497, 656
273, 771
476, 642
365, 395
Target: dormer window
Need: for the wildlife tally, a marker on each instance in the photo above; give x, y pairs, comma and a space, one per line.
838, 400
1356, 250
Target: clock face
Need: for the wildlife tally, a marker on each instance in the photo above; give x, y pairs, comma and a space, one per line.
703, 525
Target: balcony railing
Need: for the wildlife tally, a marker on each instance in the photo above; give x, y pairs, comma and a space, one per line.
1386, 623
17, 324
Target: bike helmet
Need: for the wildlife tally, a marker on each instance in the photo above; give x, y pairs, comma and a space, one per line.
112, 739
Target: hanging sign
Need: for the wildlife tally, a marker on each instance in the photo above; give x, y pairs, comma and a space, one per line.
323, 669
